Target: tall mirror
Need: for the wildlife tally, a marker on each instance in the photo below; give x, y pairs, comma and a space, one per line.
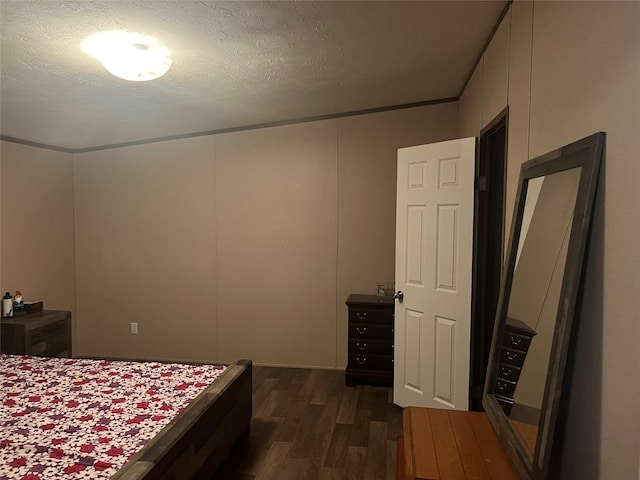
537, 305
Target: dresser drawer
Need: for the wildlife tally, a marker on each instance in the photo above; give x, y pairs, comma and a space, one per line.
370, 362
513, 340
364, 315
505, 388
48, 331
508, 372
50, 347
366, 346
505, 403
357, 331
512, 357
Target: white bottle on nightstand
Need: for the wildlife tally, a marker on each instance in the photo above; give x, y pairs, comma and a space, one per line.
7, 305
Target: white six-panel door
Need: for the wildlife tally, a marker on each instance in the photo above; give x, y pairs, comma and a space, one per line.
434, 244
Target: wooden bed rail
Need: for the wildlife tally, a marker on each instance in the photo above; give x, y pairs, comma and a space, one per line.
198, 440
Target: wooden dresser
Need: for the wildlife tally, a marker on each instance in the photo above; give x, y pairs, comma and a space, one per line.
45, 334
370, 346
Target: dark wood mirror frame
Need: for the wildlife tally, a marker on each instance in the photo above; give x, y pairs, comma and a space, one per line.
586, 154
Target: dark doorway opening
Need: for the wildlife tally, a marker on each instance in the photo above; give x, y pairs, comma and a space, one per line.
488, 244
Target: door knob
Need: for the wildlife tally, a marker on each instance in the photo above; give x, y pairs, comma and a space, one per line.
399, 295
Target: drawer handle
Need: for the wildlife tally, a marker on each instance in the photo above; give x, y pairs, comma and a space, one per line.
361, 362
361, 316
362, 347
361, 331
512, 355
515, 341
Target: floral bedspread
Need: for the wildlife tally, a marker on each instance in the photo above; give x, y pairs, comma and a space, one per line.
82, 419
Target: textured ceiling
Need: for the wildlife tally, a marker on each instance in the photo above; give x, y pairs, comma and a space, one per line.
235, 64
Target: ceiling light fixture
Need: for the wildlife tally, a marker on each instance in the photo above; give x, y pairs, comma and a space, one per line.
129, 55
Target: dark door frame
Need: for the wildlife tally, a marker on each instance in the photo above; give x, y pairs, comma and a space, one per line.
488, 247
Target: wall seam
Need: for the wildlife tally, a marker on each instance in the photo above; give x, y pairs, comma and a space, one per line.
337, 319
74, 321
216, 341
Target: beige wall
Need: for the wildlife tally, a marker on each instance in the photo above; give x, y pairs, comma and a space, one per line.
584, 76
243, 244
495, 72
277, 245
470, 105
145, 249
37, 225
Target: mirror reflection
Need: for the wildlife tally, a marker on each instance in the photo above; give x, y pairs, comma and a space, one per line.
533, 303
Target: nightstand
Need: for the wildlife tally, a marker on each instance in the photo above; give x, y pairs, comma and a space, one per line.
44, 334
370, 349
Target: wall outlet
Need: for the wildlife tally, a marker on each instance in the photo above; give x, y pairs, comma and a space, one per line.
134, 328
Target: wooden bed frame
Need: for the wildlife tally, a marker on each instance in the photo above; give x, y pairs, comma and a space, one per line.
196, 442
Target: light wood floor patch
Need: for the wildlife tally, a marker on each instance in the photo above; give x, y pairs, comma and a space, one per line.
452, 445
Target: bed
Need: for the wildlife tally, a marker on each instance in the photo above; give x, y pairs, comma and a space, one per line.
95, 419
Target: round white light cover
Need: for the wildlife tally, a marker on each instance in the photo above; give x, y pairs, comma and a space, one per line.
129, 55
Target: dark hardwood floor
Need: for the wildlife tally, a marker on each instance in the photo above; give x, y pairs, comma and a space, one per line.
308, 425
